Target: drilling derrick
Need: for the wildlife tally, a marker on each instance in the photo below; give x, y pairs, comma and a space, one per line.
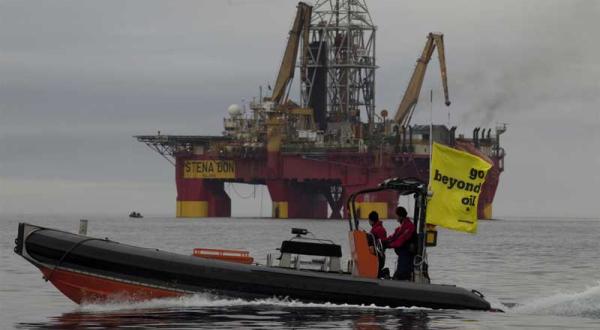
313, 153
338, 70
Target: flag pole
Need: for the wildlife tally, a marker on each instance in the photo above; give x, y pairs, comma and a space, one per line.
430, 128
420, 274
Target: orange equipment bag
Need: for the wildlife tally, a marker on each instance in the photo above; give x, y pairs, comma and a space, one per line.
242, 257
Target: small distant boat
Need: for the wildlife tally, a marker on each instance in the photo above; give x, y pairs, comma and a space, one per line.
135, 214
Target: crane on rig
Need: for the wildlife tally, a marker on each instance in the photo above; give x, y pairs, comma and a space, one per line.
288, 63
411, 95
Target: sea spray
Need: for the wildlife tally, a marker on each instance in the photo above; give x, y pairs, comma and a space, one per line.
210, 301
580, 304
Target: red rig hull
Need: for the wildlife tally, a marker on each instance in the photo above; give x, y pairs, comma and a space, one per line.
307, 187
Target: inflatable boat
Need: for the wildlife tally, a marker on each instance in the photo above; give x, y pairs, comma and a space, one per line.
307, 269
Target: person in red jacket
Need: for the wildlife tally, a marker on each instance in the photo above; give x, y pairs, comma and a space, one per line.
377, 228
379, 233
400, 241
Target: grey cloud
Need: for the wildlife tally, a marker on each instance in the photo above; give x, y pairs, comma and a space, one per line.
78, 79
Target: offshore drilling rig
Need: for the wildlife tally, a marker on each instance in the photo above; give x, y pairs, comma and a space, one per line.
312, 153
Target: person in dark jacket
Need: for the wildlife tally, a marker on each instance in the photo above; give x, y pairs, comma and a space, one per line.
400, 241
379, 233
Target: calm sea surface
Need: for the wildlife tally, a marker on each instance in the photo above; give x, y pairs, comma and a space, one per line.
544, 273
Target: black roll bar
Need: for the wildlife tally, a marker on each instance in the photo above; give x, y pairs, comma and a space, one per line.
405, 186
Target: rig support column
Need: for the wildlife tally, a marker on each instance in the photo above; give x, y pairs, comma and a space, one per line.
197, 198
296, 200
488, 191
200, 198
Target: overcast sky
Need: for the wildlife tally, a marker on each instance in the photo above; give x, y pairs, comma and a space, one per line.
79, 78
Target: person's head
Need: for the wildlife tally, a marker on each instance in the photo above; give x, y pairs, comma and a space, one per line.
401, 213
373, 217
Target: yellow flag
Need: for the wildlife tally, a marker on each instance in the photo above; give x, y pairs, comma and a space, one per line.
456, 179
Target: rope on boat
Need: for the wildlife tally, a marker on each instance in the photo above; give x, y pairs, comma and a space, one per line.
421, 263
419, 260
67, 253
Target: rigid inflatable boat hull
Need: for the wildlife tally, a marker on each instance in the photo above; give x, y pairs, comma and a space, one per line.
85, 269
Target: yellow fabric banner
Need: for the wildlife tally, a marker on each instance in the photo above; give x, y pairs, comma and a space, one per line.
456, 178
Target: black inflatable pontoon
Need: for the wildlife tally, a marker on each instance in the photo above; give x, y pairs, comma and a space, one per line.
85, 269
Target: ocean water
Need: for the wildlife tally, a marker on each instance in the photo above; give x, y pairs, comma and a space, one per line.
544, 273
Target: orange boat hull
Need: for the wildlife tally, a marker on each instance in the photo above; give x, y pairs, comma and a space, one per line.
83, 288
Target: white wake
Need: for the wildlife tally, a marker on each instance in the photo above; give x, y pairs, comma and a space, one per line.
207, 300
583, 304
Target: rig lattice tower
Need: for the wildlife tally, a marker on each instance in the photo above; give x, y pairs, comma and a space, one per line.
341, 61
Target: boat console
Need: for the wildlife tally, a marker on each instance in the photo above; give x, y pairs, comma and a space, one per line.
301, 252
